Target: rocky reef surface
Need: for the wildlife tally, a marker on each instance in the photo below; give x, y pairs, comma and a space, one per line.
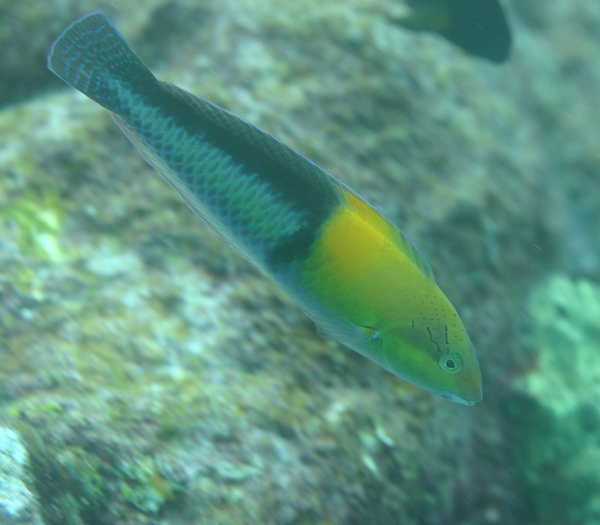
149, 375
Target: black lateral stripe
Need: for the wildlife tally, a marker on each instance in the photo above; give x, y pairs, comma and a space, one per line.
300, 183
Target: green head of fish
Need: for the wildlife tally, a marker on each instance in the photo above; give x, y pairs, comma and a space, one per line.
437, 357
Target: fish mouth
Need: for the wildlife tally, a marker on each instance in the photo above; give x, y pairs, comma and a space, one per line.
470, 401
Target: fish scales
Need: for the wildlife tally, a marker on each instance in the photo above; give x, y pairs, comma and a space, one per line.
353, 272
257, 201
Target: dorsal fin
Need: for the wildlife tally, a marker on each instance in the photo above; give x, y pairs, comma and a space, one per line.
261, 140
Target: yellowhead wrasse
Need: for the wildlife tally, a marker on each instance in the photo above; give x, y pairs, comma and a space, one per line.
351, 270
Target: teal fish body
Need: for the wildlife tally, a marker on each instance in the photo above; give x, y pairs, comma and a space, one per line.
251, 188
318, 240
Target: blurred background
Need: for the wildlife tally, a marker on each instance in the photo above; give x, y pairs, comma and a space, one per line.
150, 375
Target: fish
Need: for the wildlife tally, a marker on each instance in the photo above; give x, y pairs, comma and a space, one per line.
348, 267
479, 27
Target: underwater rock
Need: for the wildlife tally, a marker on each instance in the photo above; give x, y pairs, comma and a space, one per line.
557, 408
17, 503
161, 378
566, 330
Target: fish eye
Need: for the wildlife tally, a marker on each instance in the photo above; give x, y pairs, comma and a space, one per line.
450, 363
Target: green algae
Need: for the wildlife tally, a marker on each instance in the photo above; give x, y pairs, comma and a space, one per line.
38, 222
82, 473
556, 416
566, 315
69, 479
144, 487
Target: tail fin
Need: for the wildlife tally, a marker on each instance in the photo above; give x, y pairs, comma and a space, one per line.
91, 55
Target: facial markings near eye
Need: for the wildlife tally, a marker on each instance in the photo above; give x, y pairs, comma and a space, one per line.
433, 340
446, 334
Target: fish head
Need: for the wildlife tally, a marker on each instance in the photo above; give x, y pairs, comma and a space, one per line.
439, 359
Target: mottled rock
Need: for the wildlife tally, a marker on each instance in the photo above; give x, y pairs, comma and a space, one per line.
557, 404
18, 505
